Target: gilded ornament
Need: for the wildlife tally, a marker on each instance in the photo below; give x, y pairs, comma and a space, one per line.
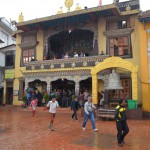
68, 3
128, 8
62, 65
96, 62
52, 66
73, 64
85, 64
33, 67
42, 66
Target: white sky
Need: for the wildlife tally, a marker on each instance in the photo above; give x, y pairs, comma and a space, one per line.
32, 9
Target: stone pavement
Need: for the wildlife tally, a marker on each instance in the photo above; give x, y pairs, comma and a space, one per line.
20, 131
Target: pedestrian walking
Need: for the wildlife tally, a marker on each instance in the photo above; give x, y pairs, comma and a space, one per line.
33, 105
88, 109
75, 106
121, 122
52, 105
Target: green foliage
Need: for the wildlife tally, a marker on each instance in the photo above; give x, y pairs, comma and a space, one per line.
46, 97
24, 99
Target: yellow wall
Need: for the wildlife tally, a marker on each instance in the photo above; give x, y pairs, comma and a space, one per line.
144, 66
18, 69
100, 85
39, 47
101, 36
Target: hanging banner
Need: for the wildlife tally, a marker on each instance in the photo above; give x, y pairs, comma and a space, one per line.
9, 74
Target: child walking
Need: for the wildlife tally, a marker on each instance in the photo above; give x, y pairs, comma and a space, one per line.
33, 105
75, 106
52, 105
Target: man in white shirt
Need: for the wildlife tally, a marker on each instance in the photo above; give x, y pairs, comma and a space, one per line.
52, 105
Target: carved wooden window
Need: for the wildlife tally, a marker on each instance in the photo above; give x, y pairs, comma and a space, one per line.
29, 37
28, 55
125, 93
119, 46
121, 24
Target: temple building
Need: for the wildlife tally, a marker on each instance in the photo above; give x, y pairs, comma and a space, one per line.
82, 49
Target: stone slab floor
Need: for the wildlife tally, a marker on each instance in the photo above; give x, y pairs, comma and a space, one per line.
20, 131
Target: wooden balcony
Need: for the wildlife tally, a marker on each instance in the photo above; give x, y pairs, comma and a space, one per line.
65, 63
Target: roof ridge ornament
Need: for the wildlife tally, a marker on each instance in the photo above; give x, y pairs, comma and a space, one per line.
21, 18
68, 4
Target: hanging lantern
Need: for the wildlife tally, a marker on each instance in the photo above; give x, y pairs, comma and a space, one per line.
113, 81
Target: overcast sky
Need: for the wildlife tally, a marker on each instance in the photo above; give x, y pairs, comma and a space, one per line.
32, 9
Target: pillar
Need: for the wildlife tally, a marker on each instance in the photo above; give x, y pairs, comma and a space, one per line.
95, 88
26, 85
134, 86
76, 87
48, 87
4, 93
148, 53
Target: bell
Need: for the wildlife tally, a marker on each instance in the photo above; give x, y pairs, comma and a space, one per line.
113, 81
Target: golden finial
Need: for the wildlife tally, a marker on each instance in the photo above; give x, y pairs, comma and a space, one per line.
68, 4
21, 18
77, 7
60, 11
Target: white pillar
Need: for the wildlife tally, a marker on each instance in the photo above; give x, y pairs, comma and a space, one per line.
26, 85
77, 88
48, 87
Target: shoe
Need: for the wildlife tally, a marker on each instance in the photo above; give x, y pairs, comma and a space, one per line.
49, 126
120, 144
95, 130
83, 128
76, 120
123, 142
52, 130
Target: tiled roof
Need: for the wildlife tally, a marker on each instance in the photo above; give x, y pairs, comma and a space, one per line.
145, 14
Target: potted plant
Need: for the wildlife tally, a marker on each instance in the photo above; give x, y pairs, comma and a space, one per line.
24, 99
46, 97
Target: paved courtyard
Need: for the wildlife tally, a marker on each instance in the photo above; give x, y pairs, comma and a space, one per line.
20, 131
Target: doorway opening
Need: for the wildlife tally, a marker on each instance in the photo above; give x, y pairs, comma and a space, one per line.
63, 84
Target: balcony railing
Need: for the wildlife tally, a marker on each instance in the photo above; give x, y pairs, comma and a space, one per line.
65, 63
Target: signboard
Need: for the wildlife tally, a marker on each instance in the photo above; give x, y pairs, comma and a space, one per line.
9, 74
15, 92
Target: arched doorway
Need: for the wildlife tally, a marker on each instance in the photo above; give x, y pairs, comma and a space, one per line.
75, 40
86, 84
39, 85
62, 84
114, 62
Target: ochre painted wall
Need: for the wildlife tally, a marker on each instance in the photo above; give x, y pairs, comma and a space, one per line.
18, 69
144, 65
39, 47
101, 36
100, 85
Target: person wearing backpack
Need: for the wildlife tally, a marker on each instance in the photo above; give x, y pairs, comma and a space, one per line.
121, 122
